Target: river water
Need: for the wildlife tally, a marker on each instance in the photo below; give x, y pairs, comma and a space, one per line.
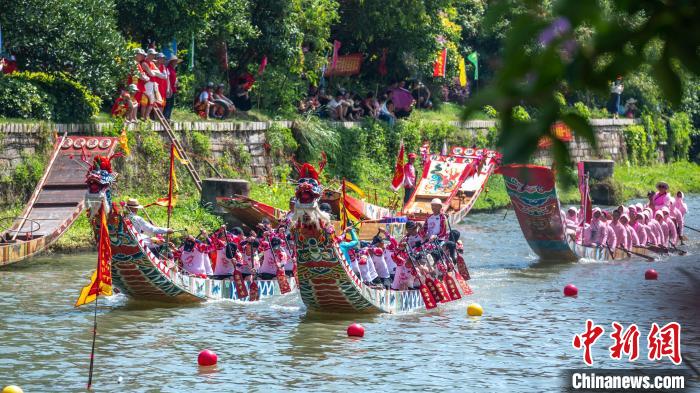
521, 344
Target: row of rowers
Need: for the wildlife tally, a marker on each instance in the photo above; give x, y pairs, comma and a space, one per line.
263, 252
656, 224
426, 250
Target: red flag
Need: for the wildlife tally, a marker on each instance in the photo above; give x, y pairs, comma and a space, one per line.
263, 64
398, 170
586, 205
382, 63
101, 280
440, 64
336, 48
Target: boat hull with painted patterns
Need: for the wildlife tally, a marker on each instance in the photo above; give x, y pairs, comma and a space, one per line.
141, 275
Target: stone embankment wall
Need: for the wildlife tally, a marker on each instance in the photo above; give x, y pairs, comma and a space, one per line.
17, 140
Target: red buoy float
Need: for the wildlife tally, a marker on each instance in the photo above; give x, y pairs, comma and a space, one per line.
651, 274
207, 358
570, 290
356, 330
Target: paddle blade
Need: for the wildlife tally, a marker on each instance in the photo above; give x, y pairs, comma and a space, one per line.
452, 288
462, 268
428, 298
466, 290
283, 282
433, 288
241, 290
254, 292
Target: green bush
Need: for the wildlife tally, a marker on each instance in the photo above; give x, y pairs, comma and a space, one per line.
680, 128
520, 114
560, 99
23, 99
201, 145
639, 150
70, 102
582, 110
490, 111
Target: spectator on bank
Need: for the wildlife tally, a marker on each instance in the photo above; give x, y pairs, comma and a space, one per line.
8, 64
338, 107
421, 94
402, 99
371, 105
171, 92
220, 98
162, 79
355, 111
151, 90
386, 112
616, 90
205, 105
630, 108
241, 96
139, 77
125, 105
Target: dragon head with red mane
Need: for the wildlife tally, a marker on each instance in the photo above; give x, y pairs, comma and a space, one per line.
308, 189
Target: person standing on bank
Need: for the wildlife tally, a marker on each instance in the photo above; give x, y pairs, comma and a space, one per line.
409, 178
171, 91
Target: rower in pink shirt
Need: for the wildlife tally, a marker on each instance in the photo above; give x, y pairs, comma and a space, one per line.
640, 228
610, 237
672, 232
194, 256
660, 198
620, 231
274, 258
631, 238
662, 227
595, 233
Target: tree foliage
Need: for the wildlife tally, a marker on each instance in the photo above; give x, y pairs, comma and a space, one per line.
585, 44
78, 37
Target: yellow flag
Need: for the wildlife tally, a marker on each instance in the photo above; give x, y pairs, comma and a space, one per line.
462, 73
355, 188
124, 142
177, 155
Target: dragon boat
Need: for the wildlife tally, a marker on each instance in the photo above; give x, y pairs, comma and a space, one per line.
327, 283
142, 275
457, 179
533, 195
56, 202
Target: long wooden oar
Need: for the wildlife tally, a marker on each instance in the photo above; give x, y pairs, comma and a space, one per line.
692, 229
678, 250
648, 258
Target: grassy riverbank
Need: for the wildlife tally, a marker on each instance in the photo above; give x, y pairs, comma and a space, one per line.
633, 182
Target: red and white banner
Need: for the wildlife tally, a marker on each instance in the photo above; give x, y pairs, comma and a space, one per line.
440, 64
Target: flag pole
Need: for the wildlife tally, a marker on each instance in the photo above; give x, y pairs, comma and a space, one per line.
170, 189
94, 336
345, 209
